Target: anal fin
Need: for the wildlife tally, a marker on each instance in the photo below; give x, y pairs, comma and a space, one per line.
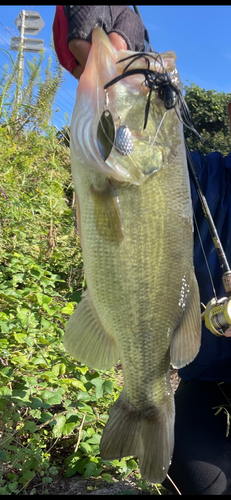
186, 339
86, 340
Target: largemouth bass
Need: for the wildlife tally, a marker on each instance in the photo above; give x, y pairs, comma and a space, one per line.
134, 214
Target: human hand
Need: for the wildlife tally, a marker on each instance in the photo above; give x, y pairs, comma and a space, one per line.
81, 48
228, 332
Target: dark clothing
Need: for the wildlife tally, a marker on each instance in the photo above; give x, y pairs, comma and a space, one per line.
201, 462
82, 19
78, 21
213, 361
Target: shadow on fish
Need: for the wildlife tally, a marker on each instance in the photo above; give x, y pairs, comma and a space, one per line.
134, 212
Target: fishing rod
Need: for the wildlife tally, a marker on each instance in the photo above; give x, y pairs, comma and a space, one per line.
145, 30
217, 314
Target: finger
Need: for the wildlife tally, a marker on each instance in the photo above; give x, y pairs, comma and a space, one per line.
80, 49
77, 71
117, 41
228, 332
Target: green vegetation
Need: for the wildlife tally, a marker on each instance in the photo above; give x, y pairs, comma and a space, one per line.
52, 408
210, 115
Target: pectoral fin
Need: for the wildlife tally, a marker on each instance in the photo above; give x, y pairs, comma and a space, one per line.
186, 338
108, 214
86, 340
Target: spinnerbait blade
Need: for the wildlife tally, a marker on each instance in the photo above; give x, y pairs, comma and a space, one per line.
105, 134
123, 140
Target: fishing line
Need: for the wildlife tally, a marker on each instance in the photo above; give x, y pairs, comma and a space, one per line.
158, 129
170, 479
145, 30
206, 260
212, 228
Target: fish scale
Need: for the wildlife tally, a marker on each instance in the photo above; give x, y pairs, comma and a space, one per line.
137, 242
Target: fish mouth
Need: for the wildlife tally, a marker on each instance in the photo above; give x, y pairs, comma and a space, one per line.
124, 131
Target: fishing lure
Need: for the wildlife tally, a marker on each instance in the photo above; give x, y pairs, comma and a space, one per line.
161, 82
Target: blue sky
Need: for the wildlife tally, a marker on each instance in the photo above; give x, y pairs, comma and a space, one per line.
200, 36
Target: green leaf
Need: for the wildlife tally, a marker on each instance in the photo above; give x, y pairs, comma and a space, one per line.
9, 297
58, 427
132, 465
55, 369
77, 384
85, 448
92, 469
73, 458
50, 310
5, 391
85, 396
98, 383
62, 369
75, 464
83, 369
85, 408
38, 403
107, 477
7, 371
69, 427
95, 439
3, 343
27, 476
43, 341
4, 316
30, 426
34, 272
43, 299
46, 416
45, 323
76, 296
68, 309
20, 394
108, 386
20, 337
23, 316
4, 327
49, 375
53, 398
3, 455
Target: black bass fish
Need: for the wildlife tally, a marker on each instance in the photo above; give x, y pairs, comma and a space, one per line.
134, 211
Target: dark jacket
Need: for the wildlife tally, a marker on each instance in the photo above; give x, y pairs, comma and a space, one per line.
213, 361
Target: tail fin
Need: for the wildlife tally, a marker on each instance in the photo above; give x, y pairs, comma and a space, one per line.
149, 435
